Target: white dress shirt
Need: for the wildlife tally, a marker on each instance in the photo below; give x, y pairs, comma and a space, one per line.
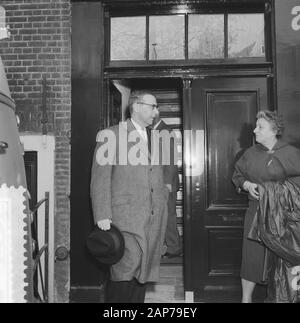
142, 131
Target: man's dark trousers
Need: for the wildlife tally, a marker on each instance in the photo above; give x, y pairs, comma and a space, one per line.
125, 292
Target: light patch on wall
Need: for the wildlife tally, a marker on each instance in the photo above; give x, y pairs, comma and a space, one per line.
4, 30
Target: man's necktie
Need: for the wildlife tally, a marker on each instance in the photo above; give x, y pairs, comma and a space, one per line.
148, 130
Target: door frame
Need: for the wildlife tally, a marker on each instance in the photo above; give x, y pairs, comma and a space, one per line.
267, 72
185, 72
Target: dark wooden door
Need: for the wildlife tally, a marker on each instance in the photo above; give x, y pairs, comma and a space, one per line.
221, 112
87, 120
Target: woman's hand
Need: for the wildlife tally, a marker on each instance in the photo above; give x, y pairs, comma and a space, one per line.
252, 188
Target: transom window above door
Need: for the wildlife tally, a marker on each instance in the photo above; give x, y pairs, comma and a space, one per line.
187, 37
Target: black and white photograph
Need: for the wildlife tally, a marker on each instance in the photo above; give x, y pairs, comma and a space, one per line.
149, 154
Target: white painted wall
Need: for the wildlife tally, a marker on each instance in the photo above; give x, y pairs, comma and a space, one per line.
45, 148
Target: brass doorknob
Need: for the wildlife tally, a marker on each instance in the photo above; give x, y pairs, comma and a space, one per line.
197, 186
61, 253
3, 145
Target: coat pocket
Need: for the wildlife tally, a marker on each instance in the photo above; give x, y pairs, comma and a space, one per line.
121, 213
166, 192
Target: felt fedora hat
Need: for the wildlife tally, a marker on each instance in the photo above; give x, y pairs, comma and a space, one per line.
106, 246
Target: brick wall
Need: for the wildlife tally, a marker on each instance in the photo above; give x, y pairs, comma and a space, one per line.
39, 47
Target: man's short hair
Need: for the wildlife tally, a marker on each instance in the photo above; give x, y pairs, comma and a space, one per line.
137, 96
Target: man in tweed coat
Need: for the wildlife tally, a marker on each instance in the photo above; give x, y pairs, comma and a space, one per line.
130, 192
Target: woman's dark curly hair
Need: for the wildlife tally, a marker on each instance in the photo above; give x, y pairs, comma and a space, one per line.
274, 119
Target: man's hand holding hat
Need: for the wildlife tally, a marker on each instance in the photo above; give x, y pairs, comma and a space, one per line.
107, 246
104, 224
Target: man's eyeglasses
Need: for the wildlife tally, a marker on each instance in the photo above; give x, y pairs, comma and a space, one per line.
154, 106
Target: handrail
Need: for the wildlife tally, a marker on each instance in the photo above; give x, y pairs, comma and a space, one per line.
37, 267
37, 263
38, 205
38, 256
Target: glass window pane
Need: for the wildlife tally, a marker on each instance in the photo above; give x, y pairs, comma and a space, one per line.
128, 38
246, 36
166, 37
206, 36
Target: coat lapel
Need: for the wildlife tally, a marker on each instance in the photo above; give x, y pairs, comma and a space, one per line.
143, 146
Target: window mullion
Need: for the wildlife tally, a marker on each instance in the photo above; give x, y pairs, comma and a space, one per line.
186, 38
147, 38
226, 35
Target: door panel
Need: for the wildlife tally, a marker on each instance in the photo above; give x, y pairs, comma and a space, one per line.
224, 111
224, 261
